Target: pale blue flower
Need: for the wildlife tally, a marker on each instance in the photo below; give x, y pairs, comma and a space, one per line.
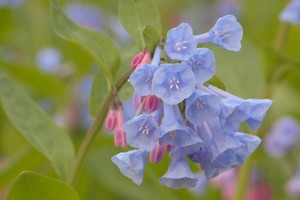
173, 83
132, 164
202, 105
179, 175
283, 137
180, 43
48, 59
142, 132
203, 65
291, 13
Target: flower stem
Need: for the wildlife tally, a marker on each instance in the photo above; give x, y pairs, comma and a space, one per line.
281, 35
94, 129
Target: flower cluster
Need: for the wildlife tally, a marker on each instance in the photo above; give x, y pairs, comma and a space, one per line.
291, 13
188, 118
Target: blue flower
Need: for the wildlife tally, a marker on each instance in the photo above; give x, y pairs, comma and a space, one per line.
222, 151
141, 79
258, 110
48, 59
293, 185
181, 43
233, 112
179, 175
227, 33
202, 105
142, 132
173, 83
284, 135
203, 65
173, 130
291, 13
132, 164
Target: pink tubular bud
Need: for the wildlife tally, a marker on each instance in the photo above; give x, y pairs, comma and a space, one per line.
111, 119
157, 153
137, 59
120, 117
146, 59
120, 137
151, 103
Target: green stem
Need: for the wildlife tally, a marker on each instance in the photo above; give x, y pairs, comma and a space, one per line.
281, 35
94, 129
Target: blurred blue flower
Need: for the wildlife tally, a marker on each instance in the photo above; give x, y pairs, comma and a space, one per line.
199, 189
291, 13
293, 185
48, 59
227, 33
132, 164
202, 105
85, 15
142, 132
203, 64
180, 44
179, 175
284, 135
10, 3
173, 83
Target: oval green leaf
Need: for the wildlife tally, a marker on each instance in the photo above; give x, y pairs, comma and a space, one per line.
36, 126
100, 47
135, 15
151, 37
32, 186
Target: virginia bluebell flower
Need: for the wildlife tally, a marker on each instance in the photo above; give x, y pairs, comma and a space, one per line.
173, 83
85, 15
142, 131
141, 78
10, 3
132, 164
203, 64
181, 43
227, 33
202, 105
284, 135
179, 175
291, 13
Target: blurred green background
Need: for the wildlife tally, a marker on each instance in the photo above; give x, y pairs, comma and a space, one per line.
25, 30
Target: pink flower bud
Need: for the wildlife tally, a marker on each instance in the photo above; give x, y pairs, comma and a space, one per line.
120, 137
146, 59
120, 117
111, 119
259, 192
137, 59
157, 153
151, 103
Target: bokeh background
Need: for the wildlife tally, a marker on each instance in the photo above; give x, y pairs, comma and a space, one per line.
59, 75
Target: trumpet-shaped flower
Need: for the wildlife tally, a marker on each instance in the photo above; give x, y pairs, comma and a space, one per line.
180, 43
202, 105
179, 175
132, 164
227, 33
173, 83
142, 132
203, 65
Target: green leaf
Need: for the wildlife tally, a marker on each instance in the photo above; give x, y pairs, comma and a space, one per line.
98, 93
135, 15
36, 126
32, 186
216, 81
37, 81
151, 37
100, 47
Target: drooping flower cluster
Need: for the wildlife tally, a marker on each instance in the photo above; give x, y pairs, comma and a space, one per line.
189, 118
